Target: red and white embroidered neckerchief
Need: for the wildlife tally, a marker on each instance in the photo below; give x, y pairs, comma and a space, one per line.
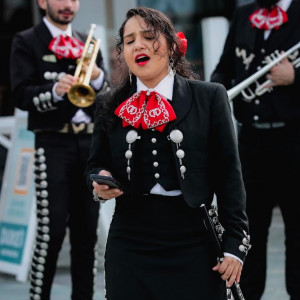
66, 47
268, 19
146, 110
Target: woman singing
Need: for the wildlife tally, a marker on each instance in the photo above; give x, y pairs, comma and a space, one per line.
168, 139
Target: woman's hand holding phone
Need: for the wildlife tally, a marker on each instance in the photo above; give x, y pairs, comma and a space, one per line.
106, 189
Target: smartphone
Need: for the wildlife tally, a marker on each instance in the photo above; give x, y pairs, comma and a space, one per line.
107, 180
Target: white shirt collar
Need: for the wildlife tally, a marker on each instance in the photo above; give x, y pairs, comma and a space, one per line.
284, 4
165, 87
55, 31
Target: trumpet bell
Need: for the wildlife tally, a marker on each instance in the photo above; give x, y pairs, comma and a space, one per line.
81, 95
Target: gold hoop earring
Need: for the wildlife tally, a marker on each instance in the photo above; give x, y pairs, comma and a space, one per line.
130, 77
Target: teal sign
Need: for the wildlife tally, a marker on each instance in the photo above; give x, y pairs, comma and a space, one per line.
12, 241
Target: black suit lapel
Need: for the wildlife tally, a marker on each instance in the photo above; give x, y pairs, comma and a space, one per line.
182, 100
248, 30
132, 90
278, 39
125, 130
43, 33
251, 34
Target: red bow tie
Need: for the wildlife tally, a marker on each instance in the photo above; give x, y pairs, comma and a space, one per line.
146, 110
267, 19
66, 47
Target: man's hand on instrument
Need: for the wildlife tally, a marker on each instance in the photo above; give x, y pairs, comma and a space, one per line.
95, 71
230, 269
282, 74
64, 84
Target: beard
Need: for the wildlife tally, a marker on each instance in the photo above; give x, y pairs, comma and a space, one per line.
266, 3
56, 18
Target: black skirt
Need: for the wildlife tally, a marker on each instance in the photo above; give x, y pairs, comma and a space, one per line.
159, 249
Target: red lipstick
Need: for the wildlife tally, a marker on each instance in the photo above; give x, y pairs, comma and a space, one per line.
142, 59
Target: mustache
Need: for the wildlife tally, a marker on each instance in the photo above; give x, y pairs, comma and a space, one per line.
66, 11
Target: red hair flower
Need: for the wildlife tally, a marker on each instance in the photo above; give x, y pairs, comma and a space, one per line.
182, 42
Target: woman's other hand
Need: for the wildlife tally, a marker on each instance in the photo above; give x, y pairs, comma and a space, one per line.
230, 269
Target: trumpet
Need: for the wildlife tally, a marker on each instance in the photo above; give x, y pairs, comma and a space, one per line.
260, 88
82, 94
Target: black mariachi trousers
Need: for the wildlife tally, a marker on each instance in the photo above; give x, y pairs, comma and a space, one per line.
271, 167
63, 200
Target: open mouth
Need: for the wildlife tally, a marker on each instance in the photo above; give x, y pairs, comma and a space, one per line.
142, 59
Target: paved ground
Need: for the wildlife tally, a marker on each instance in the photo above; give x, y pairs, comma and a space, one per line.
10, 289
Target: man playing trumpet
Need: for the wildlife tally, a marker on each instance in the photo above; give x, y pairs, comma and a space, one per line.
43, 61
268, 117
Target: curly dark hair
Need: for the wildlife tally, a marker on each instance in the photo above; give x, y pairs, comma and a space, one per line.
159, 23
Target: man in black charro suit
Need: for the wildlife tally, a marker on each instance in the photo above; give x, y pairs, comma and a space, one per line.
269, 131
41, 77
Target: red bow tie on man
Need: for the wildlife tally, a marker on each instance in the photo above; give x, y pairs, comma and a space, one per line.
66, 47
268, 19
147, 110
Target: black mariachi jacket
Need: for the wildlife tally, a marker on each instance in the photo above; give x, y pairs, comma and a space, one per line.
240, 60
211, 156
34, 69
